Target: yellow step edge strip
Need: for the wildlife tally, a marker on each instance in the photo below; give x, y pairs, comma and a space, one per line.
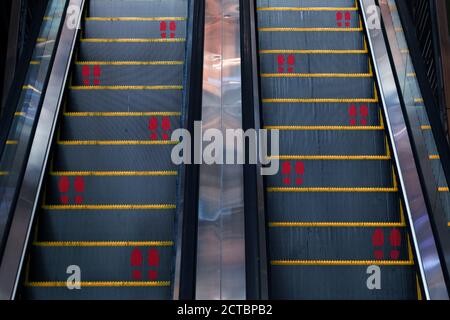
126, 87
330, 189
310, 29
19, 114
136, 19
103, 243
129, 63
314, 51
323, 128
425, 127
109, 207
320, 100
307, 9
316, 75
418, 100
35, 62
30, 87
341, 262
54, 284
114, 142
134, 40
443, 189
112, 173
12, 142
3, 173
122, 114
331, 157
434, 157
338, 224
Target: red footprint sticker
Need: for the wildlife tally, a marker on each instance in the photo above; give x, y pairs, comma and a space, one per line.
63, 186
163, 29
136, 261
286, 171
395, 240
378, 241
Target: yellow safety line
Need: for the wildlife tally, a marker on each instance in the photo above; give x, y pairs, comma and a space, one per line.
115, 142
49, 284
310, 29
443, 189
110, 207
135, 40
47, 18
30, 87
419, 291
425, 127
129, 63
19, 114
412, 74
135, 19
122, 114
330, 189
316, 75
402, 213
410, 252
307, 9
314, 51
40, 40
320, 100
10, 142
4, 173
418, 100
111, 173
34, 62
341, 262
434, 157
394, 178
103, 243
338, 224
126, 87
331, 157
337, 128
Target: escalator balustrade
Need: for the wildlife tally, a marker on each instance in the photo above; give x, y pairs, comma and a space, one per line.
334, 209
110, 196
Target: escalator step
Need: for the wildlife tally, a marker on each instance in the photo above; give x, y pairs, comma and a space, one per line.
138, 8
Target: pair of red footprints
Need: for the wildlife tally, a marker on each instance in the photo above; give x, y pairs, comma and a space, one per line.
340, 17
96, 73
281, 59
395, 240
137, 260
286, 171
163, 29
153, 126
362, 113
64, 188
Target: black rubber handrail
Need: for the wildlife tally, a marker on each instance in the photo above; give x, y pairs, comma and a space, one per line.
254, 203
192, 177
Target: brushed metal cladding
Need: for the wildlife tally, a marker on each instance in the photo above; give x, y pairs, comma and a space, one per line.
221, 239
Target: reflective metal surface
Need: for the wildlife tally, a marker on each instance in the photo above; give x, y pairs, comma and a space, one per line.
221, 235
35, 169
424, 243
423, 141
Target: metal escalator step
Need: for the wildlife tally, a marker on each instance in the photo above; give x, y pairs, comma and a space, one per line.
124, 101
99, 263
321, 114
119, 128
132, 75
136, 28
132, 158
117, 292
332, 173
333, 142
111, 190
305, 3
309, 19
326, 87
341, 282
314, 63
333, 206
89, 225
315, 40
162, 50
138, 8
335, 243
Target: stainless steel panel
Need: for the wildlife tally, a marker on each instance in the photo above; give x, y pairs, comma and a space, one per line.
221, 238
424, 244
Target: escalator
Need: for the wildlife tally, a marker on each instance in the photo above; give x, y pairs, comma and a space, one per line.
107, 224
334, 211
